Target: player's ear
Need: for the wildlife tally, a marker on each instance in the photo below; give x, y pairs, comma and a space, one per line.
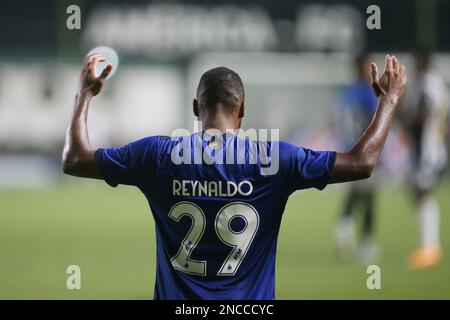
195, 107
241, 110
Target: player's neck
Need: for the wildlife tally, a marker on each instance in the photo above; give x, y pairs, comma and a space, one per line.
221, 122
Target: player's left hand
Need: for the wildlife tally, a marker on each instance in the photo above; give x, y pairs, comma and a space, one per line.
90, 83
393, 80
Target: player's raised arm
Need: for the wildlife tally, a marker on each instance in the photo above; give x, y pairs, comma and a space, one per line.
359, 162
78, 157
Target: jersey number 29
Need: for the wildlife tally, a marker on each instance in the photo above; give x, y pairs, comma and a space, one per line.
239, 241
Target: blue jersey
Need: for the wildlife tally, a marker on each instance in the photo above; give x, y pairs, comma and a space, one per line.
216, 223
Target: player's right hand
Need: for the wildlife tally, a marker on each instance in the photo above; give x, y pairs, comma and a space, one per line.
392, 82
90, 83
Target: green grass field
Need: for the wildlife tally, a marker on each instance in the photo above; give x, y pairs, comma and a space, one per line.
109, 233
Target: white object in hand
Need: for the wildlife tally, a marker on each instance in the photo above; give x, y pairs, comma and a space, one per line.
111, 58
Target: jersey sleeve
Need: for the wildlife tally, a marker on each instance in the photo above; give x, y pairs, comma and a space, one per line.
132, 164
302, 168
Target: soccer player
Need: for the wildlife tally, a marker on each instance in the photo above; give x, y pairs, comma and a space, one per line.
217, 221
357, 108
427, 126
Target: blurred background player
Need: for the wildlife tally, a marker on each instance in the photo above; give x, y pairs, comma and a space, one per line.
427, 124
357, 108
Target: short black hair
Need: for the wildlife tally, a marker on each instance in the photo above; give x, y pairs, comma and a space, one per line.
220, 86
